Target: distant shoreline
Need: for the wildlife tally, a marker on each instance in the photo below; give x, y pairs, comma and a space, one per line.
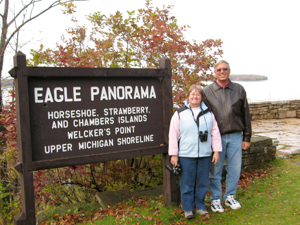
245, 77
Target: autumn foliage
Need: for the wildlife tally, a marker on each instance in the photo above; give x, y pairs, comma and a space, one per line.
9, 178
138, 41
131, 207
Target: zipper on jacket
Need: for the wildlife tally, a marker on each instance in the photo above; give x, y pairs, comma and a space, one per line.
196, 120
198, 125
226, 108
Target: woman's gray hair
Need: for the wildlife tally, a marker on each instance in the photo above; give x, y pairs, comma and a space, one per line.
221, 61
198, 88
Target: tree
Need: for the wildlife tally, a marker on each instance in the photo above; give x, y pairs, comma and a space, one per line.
12, 22
139, 40
20, 18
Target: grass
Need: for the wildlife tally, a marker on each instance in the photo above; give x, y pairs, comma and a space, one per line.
271, 199
287, 146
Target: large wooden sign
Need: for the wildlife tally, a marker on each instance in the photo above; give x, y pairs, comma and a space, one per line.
72, 116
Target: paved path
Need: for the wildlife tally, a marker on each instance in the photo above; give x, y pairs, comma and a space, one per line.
286, 131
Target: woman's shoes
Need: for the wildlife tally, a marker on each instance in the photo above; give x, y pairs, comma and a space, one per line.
189, 215
202, 212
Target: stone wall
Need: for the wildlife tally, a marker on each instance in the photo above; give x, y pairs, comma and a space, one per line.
263, 149
275, 109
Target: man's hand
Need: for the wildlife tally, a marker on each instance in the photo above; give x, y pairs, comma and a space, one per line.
246, 145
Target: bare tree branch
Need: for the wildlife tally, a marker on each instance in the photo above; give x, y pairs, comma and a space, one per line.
5, 40
15, 45
54, 4
31, 3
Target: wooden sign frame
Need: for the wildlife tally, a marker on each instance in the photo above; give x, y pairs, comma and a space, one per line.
43, 92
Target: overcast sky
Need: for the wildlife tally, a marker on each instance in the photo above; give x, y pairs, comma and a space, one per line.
259, 36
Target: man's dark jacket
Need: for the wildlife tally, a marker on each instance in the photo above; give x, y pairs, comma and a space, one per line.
230, 107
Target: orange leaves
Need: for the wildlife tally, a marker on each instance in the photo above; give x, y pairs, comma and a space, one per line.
205, 218
8, 120
131, 209
119, 212
71, 218
248, 176
69, 7
139, 40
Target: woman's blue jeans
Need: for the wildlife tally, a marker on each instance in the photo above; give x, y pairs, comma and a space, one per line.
232, 153
193, 182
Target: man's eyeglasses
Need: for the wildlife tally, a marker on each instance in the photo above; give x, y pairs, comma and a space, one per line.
224, 69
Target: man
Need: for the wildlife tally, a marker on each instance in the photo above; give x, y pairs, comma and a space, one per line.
228, 102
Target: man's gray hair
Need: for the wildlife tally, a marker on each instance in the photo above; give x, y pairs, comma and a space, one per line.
221, 61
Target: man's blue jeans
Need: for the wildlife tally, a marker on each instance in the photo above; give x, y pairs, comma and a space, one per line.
232, 153
194, 182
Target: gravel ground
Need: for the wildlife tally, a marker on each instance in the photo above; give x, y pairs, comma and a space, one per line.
286, 131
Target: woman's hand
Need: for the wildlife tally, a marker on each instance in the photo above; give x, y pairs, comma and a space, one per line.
174, 160
215, 158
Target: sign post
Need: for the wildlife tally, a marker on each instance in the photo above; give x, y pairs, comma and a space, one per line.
75, 116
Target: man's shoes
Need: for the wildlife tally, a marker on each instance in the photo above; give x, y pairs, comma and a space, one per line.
216, 206
230, 201
202, 212
188, 215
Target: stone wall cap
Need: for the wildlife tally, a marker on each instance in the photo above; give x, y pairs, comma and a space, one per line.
259, 138
257, 102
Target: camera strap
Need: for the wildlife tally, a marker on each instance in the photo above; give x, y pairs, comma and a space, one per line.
181, 109
201, 114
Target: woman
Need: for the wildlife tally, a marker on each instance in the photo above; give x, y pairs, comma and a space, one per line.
193, 137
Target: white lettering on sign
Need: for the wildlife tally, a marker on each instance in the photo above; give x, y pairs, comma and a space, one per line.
124, 130
132, 119
60, 124
126, 111
122, 92
58, 94
71, 114
135, 139
58, 148
95, 144
93, 121
88, 133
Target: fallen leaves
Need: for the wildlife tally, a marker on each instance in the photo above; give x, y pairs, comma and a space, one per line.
205, 218
248, 176
123, 210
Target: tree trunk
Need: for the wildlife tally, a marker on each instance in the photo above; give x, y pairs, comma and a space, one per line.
3, 44
2, 141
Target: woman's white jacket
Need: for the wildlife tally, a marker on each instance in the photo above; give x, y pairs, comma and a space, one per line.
185, 128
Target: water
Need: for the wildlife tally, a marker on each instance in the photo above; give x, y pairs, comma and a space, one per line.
271, 90
267, 90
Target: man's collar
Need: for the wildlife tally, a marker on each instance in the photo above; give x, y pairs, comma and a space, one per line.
217, 85
222, 85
